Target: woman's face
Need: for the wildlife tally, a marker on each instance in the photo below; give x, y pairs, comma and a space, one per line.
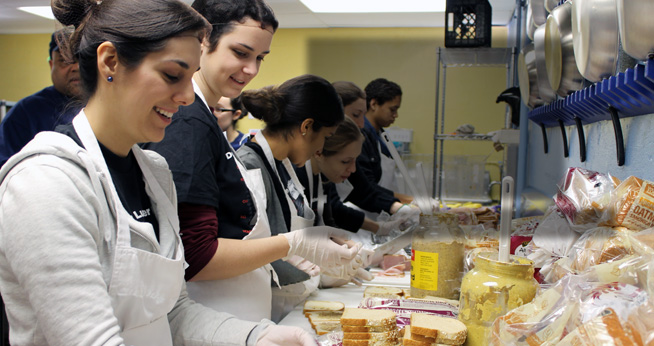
153, 91
356, 111
225, 117
338, 167
305, 147
236, 59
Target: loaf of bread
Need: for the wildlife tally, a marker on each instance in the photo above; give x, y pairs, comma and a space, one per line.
632, 205
443, 330
601, 245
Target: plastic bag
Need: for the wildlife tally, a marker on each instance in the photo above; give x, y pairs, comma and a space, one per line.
583, 195
631, 205
600, 245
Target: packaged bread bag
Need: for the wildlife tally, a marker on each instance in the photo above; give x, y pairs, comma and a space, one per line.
631, 205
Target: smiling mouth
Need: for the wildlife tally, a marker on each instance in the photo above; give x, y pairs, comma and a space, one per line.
163, 113
237, 81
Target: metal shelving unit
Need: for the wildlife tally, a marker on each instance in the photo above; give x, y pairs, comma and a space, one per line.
463, 57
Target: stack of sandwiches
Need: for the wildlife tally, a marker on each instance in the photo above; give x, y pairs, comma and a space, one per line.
324, 316
433, 330
368, 327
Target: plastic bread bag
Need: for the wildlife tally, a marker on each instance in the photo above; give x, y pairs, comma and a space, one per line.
554, 234
583, 195
631, 205
600, 245
331, 339
606, 329
403, 308
560, 310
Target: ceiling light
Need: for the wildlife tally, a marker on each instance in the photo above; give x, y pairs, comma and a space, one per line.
374, 6
42, 11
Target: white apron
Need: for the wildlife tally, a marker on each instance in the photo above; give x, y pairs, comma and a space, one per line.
247, 296
286, 298
321, 198
387, 179
144, 286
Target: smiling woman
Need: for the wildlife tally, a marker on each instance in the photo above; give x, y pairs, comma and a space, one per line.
105, 264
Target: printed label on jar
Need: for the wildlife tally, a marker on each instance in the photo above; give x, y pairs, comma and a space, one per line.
424, 270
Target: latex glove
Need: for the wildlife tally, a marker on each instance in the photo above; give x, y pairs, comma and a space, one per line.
323, 245
355, 270
386, 227
304, 265
407, 214
275, 335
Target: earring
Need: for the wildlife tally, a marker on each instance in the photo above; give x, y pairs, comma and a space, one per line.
304, 133
110, 79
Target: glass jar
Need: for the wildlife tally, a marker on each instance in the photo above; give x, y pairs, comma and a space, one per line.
437, 257
491, 290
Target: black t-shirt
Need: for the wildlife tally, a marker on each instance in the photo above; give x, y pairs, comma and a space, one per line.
128, 180
204, 169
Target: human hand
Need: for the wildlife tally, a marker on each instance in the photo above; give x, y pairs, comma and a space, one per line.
407, 214
355, 270
304, 265
386, 227
275, 335
323, 245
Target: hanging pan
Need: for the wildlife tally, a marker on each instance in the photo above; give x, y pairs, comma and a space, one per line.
595, 37
636, 27
562, 71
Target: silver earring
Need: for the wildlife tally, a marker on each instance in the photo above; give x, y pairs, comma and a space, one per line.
110, 79
304, 133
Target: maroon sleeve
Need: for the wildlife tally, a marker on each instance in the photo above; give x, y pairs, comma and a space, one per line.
199, 232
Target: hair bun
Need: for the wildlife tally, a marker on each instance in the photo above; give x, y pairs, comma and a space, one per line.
71, 12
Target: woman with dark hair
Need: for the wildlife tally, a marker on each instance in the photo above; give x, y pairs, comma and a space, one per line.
228, 112
224, 227
105, 263
299, 114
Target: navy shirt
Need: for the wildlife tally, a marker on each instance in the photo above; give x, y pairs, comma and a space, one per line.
128, 180
204, 169
41, 111
369, 162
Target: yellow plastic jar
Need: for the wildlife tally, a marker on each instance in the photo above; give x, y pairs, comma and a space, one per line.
437, 252
491, 290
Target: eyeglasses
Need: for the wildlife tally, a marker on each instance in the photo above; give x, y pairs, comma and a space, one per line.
227, 110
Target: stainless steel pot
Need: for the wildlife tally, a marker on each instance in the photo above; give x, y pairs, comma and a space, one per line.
530, 27
636, 27
595, 37
527, 78
562, 71
538, 11
545, 91
550, 5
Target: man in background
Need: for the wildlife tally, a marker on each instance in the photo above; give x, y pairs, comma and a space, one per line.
44, 110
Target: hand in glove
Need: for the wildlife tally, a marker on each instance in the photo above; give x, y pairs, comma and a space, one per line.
275, 335
323, 245
386, 227
304, 265
354, 271
407, 214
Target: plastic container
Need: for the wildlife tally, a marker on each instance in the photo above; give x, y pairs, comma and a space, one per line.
437, 251
468, 23
491, 290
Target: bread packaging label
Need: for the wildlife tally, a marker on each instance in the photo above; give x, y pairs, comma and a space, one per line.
424, 273
634, 207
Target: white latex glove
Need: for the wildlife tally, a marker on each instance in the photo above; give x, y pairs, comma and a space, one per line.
355, 270
386, 227
275, 335
323, 245
407, 214
304, 265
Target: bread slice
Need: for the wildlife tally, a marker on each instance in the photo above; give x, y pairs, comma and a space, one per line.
369, 329
322, 305
368, 317
372, 336
382, 292
349, 342
445, 330
409, 339
326, 327
318, 317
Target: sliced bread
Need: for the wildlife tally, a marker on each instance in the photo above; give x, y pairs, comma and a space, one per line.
372, 336
369, 329
445, 330
318, 317
382, 292
322, 305
408, 339
326, 327
349, 342
368, 317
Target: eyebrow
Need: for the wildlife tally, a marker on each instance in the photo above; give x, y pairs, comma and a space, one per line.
180, 63
252, 49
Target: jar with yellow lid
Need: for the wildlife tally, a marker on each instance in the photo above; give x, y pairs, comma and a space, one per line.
492, 289
437, 253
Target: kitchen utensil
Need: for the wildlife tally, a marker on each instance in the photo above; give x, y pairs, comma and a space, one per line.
530, 27
562, 71
506, 210
527, 77
538, 11
636, 27
595, 37
545, 91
